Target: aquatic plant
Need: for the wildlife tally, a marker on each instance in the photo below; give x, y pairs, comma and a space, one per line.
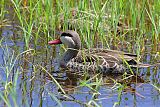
128, 25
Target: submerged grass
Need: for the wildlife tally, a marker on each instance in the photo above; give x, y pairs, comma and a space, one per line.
2, 12
11, 75
127, 25
10, 92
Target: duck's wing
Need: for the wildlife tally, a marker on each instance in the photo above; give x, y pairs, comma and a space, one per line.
120, 56
108, 61
96, 62
113, 55
97, 59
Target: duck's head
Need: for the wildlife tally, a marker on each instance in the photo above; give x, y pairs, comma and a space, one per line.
69, 38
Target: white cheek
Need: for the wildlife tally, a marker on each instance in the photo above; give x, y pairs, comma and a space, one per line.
67, 41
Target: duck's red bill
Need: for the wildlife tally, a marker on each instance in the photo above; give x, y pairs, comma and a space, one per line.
54, 42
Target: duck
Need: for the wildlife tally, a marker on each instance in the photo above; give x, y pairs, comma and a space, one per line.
94, 59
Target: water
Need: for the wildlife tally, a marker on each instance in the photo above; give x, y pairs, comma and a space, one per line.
36, 88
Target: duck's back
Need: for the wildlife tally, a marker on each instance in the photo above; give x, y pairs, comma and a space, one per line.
103, 60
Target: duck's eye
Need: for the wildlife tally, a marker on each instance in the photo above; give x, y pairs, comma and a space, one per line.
66, 34
69, 35
63, 34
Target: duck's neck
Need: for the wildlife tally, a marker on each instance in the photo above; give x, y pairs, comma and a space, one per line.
68, 55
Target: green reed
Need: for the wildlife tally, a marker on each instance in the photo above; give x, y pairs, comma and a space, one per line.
3, 11
11, 76
25, 25
104, 22
109, 22
33, 16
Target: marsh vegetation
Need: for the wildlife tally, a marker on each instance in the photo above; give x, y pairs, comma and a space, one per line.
27, 76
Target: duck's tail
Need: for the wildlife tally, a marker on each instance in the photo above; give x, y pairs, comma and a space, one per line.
141, 65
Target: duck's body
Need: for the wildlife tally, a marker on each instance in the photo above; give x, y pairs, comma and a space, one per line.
102, 60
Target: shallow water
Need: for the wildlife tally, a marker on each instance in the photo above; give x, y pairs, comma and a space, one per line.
35, 87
